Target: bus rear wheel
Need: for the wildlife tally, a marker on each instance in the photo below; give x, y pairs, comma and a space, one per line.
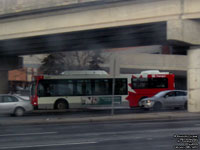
61, 105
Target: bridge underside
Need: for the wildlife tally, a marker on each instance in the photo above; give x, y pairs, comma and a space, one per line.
135, 35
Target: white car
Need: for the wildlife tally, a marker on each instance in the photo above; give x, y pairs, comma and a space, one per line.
166, 99
14, 105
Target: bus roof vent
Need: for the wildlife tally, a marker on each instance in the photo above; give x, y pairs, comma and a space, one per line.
153, 72
85, 72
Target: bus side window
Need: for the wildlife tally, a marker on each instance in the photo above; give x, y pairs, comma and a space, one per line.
158, 83
79, 87
120, 87
88, 88
83, 87
101, 87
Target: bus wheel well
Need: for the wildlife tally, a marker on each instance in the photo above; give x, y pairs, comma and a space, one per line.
61, 104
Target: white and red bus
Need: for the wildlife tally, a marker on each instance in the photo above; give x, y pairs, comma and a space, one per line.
77, 89
147, 84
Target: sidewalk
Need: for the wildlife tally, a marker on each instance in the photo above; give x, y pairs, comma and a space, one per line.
125, 117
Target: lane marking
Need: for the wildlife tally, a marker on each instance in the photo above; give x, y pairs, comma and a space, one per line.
34, 146
24, 134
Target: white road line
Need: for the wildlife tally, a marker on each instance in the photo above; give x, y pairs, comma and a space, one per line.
34, 146
24, 134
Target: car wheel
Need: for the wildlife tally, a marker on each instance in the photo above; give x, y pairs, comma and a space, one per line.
19, 111
157, 106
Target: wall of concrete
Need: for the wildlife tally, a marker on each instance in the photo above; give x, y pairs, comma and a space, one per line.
152, 61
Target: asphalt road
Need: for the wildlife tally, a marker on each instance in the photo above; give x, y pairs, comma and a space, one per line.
155, 135
50, 114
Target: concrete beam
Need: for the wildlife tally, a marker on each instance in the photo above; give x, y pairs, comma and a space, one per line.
100, 15
91, 17
187, 31
191, 9
17, 6
10, 7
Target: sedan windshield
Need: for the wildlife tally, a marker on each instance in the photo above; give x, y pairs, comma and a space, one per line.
160, 94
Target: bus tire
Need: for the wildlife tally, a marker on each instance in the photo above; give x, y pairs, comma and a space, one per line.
61, 104
157, 106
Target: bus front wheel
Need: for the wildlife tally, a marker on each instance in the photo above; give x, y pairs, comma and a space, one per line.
61, 104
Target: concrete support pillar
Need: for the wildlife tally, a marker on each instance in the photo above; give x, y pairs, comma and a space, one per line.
3, 81
194, 80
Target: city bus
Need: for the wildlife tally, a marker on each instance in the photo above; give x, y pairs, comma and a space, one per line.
147, 84
77, 89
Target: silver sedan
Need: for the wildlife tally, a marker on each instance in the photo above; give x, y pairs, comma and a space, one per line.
14, 105
166, 99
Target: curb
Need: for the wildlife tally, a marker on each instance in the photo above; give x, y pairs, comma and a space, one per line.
161, 116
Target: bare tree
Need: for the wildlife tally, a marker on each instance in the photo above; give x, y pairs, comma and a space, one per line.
79, 60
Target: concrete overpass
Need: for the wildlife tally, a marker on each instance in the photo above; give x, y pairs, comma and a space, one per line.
66, 25
97, 24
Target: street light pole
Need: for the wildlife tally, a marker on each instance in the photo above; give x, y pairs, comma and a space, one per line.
113, 87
